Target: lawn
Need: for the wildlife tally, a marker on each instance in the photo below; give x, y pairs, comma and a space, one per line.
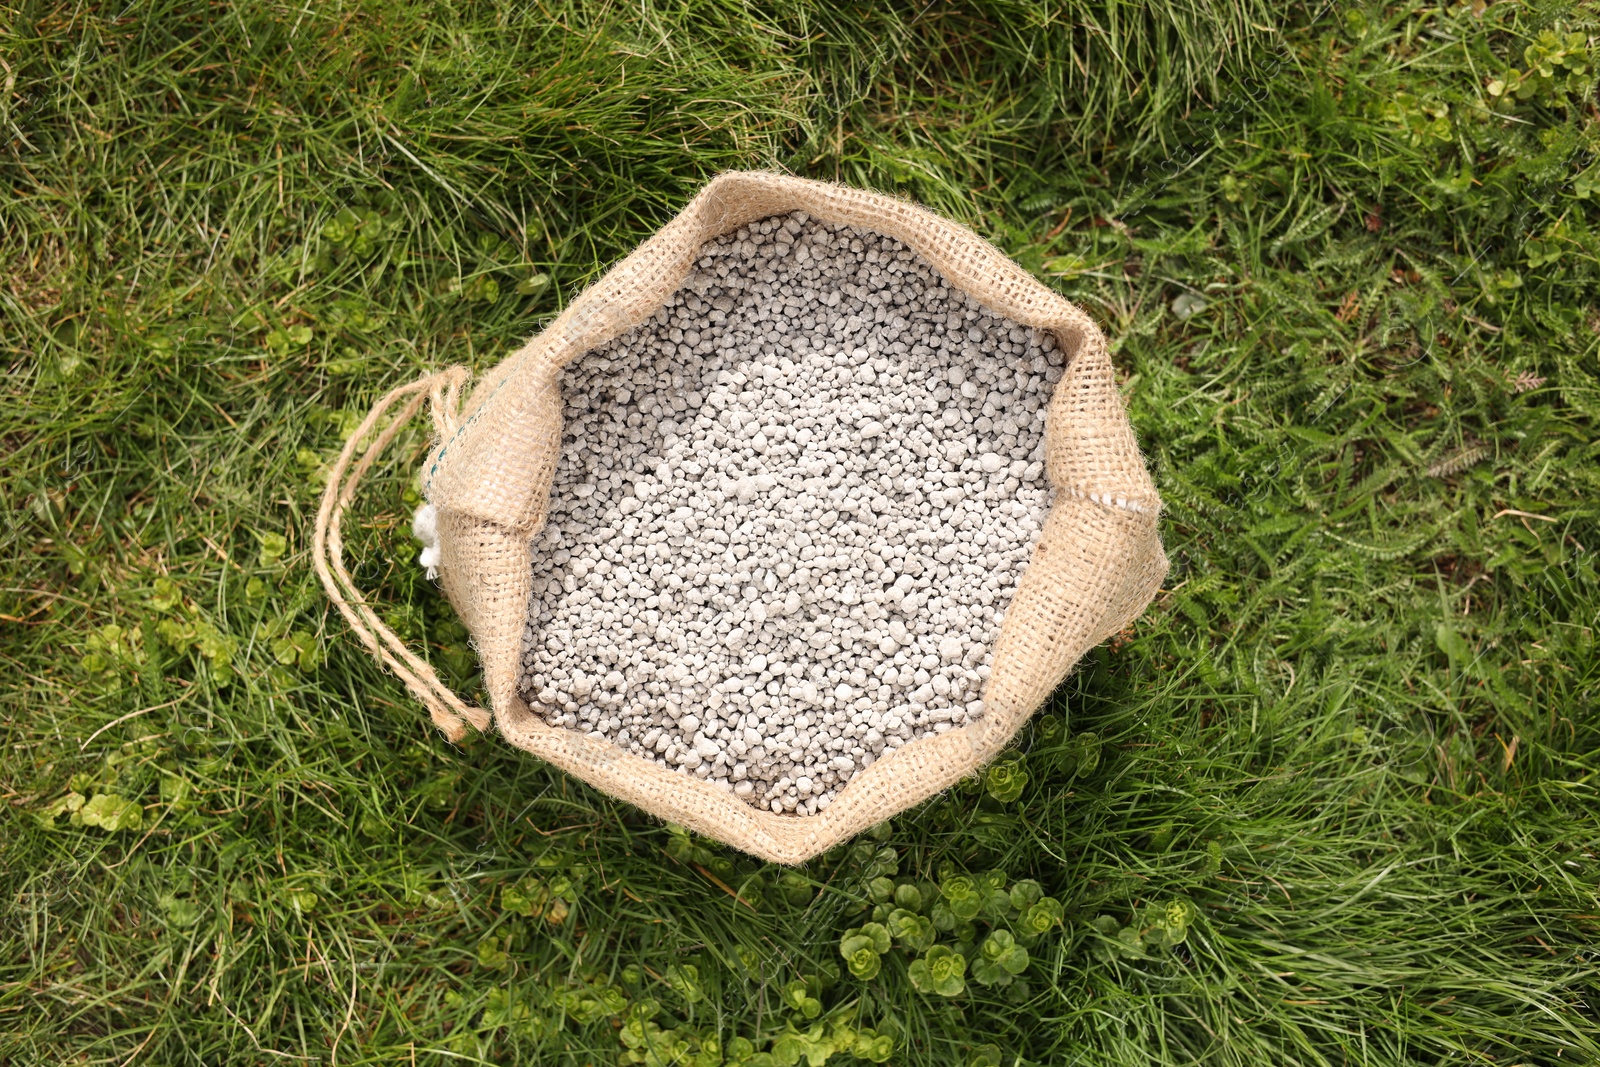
1334, 799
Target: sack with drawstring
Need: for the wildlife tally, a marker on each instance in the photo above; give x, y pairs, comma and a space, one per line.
487, 481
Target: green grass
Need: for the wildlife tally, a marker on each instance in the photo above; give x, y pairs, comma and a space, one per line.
1353, 297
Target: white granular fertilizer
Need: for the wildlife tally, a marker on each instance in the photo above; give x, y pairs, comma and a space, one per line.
790, 511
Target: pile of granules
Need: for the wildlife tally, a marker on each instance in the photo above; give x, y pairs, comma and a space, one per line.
789, 513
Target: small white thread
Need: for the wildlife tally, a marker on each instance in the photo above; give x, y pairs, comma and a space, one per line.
1136, 506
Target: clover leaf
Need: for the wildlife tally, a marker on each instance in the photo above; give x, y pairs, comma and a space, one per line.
586, 1003
861, 948
1166, 925
1025, 893
273, 548
1002, 947
884, 863
110, 813
985, 1056
535, 899
911, 930
1086, 753
1042, 916
1006, 778
297, 648
164, 594
492, 953
939, 971
176, 791
301, 900
1050, 729
795, 888
502, 1009
996, 905
1111, 942
791, 1046
962, 896
872, 1047
205, 639
684, 980
533, 284
1000, 959
800, 995
181, 910
68, 805
862, 962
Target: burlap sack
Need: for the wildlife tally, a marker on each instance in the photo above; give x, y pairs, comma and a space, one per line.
1095, 567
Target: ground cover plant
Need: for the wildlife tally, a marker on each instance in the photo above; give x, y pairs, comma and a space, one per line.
1331, 800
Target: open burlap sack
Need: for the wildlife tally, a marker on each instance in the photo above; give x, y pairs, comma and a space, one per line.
1095, 567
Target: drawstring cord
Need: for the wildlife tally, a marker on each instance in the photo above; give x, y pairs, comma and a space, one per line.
443, 390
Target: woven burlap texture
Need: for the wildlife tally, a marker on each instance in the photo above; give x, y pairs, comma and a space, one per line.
1095, 567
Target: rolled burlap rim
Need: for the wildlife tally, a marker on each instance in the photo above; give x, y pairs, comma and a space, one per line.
1095, 567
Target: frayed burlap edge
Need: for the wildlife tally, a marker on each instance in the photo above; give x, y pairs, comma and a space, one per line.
1096, 565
